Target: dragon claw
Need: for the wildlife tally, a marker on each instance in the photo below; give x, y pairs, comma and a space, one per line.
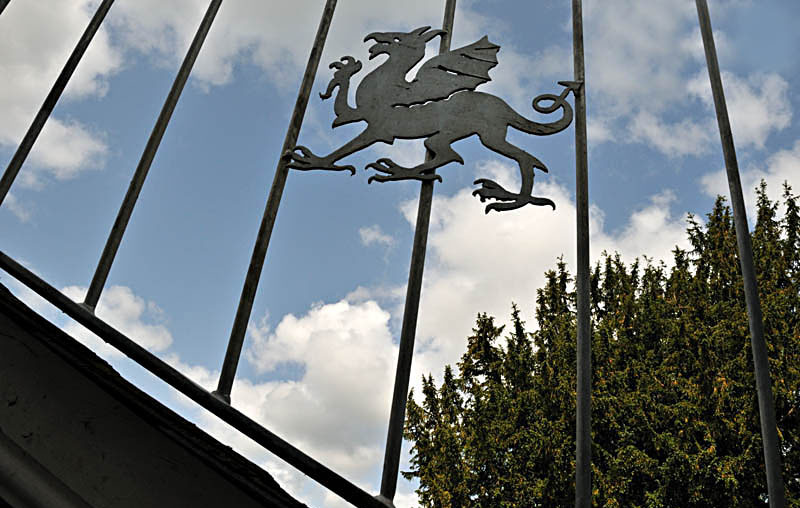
306, 160
396, 172
506, 200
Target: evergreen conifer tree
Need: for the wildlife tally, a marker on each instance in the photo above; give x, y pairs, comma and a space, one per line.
674, 408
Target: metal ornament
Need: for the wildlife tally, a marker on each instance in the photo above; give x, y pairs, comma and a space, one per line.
441, 105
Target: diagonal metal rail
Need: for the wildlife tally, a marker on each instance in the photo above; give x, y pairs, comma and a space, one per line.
3, 5
135, 187
766, 407
50, 101
245, 307
270, 441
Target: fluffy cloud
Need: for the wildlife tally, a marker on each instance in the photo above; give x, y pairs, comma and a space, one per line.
17, 208
783, 166
646, 77
35, 42
652, 231
339, 346
687, 137
758, 105
371, 235
273, 35
128, 313
276, 36
481, 263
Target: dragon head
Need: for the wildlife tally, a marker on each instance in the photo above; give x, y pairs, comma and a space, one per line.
403, 44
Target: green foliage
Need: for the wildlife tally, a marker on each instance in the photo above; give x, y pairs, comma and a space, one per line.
674, 408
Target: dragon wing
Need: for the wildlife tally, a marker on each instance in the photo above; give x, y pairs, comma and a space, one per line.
458, 69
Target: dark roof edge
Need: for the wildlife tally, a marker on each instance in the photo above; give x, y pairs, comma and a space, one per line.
223, 459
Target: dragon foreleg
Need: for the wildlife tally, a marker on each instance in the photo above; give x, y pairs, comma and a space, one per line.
305, 160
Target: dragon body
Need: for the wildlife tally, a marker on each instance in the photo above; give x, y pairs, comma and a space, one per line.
440, 105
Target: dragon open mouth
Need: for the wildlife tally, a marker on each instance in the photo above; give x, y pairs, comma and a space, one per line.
378, 49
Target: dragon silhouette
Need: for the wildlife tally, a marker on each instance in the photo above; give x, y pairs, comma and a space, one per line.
441, 105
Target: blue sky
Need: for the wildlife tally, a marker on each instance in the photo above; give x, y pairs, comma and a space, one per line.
320, 355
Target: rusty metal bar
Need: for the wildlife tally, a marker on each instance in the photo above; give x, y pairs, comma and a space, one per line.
305, 464
3, 5
247, 298
135, 187
50, 101
583, 414
394, 437
766, 408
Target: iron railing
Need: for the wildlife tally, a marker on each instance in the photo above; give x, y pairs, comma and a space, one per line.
218, 402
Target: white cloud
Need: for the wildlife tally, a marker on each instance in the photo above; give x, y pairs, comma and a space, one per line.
758, 105
17, 208
340, 345
128, 313
637, 58
633, 52
783, 166
646, 75
371, 235
35, 42
273, 35
686, 137
64, 150
652, 231
276, 36
481, 263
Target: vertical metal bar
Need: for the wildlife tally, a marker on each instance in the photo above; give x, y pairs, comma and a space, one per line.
247, 298
583, 424
50, 101
3, 5
766, 408
135, 187
394, 438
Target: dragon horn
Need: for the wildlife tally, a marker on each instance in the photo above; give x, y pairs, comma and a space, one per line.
421, 30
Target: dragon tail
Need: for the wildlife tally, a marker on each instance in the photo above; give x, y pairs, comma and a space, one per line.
556, 102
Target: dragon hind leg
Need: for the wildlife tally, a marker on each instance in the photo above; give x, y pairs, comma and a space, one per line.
507, 200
